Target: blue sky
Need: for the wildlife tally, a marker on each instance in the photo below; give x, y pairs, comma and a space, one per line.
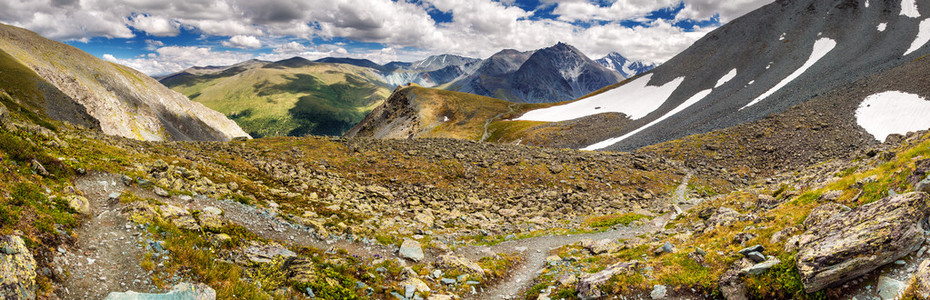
164, 36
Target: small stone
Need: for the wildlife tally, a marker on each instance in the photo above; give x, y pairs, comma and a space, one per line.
755, 257
162, 192
78, 204
756, 248
666, 248
114, 196
658, 292
447, 281
760, 267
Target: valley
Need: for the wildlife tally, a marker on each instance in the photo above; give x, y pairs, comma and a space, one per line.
783, 155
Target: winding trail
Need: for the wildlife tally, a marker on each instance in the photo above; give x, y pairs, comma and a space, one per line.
119, 264
535, 250
487, 123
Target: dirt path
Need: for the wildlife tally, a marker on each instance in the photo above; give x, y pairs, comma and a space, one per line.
106, 256
535, 250
487, 123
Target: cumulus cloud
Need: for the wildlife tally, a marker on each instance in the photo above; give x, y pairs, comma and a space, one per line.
243, 41
403, 28
156, 26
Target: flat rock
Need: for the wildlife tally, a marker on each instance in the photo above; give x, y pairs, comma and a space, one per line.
181, 291
452, 262
17, 269
890, 288
266, 253
761, 267
845, 246
589, 286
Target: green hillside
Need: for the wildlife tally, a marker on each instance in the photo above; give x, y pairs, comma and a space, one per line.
294, 97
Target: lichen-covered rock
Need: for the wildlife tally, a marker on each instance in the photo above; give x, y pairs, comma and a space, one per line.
589, 286
17, 269
258, 253
851, 244
824, 212
302, 270
921, 284
452, 262
140, 212
179, 217
78, 204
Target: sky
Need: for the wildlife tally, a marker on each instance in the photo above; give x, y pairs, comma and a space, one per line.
166, 36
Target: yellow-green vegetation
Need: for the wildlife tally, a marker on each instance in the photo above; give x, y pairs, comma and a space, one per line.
466, 113
612, 220
293, 98
857, 185
500, 265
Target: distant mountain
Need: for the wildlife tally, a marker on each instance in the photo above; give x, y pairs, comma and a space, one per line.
67, 84
553, 74
292, 97
433, 71
364, 63
627, 68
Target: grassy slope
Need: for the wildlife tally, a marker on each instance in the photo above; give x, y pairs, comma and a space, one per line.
321, 99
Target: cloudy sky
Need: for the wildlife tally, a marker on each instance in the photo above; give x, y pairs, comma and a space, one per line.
164, 36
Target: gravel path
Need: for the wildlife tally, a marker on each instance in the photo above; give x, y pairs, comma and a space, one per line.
107, 255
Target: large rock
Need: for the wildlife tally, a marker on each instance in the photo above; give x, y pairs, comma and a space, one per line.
17, 269
78, 204
179, 216
411, 250
452, 262
258, 253
589, 286
824, 212
851, 244
181, 291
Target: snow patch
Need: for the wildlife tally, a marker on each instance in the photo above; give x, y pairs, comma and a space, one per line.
909, 9
923, 36
782, 38
882, 26
445, 119
729, 76
892, 112
688, 103
866, 3
821, 48
635, 99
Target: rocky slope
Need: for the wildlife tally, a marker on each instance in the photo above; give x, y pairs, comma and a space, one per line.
84, 89
292, 97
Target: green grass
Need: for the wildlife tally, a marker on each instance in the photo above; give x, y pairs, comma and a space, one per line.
610, 221
316, 99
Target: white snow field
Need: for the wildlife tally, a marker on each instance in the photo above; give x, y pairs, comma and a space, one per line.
635, 99
691, 101
923, 36
821, 48
909, 9
882, 26
891, 112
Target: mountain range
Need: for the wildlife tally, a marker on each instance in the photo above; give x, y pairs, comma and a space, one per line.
330, 95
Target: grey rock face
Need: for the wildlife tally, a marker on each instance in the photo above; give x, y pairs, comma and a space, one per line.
17, 269
844, 246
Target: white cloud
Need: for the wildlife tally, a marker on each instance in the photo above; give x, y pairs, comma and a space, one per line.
728, 9
173, 59
156, 26
243, 41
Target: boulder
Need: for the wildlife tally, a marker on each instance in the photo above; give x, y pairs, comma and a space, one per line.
922, 280
78, 204
600, 246
179, 217
851, 244
761, 267
452, 262
184, 291
416, 285
411, 249
589, 286
923, 186
823, 212
210, 221
17, 269
302, 270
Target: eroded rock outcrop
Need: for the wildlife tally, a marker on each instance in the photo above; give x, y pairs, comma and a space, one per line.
848, 245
